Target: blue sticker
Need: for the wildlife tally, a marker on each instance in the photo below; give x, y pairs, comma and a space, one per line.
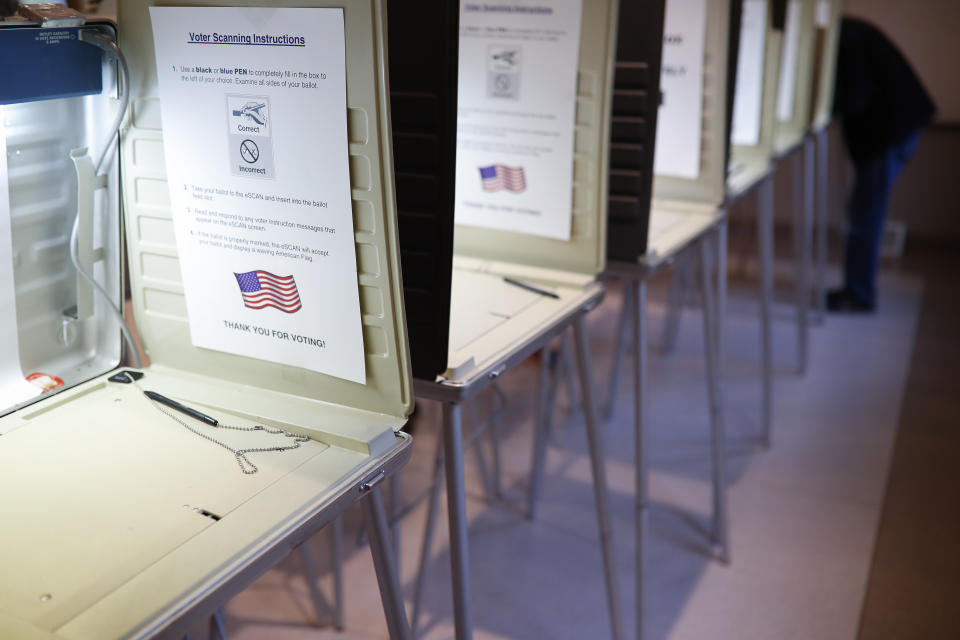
45, 64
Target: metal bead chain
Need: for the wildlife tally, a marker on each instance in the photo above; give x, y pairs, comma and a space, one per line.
246, 466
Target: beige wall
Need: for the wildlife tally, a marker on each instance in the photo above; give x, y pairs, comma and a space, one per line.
928, 34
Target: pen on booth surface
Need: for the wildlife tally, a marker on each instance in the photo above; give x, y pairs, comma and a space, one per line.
530, 287
173, 404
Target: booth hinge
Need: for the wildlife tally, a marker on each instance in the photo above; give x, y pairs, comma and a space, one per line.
52, 16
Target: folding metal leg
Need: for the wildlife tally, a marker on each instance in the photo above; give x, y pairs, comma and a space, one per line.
540, 432
641, 495
385, 565
428, 531
765, 241
396, 511
803, 199
715, 397
476, 444
336, 531
457, 518
216, 622
618, 350
310, 573
680, 286
569, 374
721, 324
595, 443
822, 220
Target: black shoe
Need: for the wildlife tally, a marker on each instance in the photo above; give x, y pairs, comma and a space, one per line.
844, 301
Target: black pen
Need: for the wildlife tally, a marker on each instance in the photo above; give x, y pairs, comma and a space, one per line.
173, 404
530, 287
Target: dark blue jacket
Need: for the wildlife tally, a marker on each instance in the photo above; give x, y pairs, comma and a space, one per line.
878, 96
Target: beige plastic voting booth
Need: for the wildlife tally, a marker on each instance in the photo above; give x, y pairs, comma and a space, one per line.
796, 81
494, 325
118, 522
685, 213
751, 162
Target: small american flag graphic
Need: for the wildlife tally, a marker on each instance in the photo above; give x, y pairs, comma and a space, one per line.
262, 289
497, 177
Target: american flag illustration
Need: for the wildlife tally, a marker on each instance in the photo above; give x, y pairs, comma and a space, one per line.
262, 289
499, 176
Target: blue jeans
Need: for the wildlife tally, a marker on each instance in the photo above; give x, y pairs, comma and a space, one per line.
867, 212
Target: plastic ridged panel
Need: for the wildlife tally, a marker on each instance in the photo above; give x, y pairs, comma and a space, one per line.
423, 105
156, 281
633, 128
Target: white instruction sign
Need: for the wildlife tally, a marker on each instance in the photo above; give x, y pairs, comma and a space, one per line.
788, 63
516, 112
255, 135
748, 98
14, 388
679, 126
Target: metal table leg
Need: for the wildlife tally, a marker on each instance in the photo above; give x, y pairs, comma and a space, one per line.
432, 508
803, 201
618, 350
822, 220
721, 324
540, 432
385, 566
641, 499
765, 240
336, 530
457, 518
680, 286
310, 573
595, 444
396, 511
718, 443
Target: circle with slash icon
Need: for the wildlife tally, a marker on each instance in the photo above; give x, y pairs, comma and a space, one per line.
249, 151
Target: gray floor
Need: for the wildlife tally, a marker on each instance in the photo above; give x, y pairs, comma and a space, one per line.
804, 515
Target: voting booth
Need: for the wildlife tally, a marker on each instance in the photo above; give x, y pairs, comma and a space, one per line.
687, 210
139, 499
796, 80
530, 122
689, 183
755, 100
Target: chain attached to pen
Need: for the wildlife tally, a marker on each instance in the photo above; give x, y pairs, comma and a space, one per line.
246, 466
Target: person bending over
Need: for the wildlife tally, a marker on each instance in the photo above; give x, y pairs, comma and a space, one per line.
882, 107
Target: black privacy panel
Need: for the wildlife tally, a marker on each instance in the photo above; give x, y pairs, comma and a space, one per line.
733, 55
423, 41
779, 14
633, 129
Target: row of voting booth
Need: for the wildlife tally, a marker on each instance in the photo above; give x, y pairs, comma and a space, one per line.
325, 211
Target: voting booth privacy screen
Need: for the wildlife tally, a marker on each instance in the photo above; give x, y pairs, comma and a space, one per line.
584, 251
754, 115
796, 74
124, 517
707, 47
826, 44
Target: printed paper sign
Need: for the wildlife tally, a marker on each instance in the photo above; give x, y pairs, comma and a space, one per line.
14, 388
516, 115
788, 63
255, 137
748, 99
679, 126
